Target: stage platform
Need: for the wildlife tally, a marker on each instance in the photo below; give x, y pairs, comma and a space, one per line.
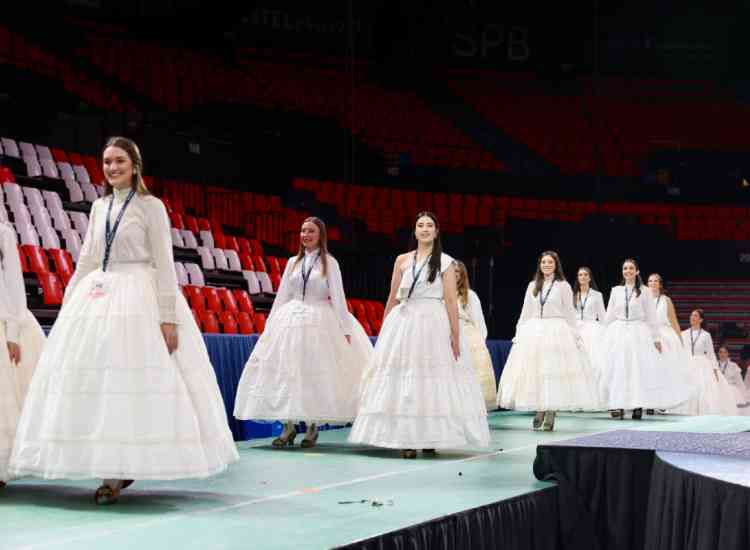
335, 495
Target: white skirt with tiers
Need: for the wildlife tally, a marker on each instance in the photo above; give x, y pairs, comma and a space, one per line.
14, 382
592, 333
107, 399
715, 396
415, 395
546, 371
635, 375
474, 351
302, 367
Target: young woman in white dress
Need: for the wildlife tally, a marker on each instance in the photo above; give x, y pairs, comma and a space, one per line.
416, 392
673, 350
21, 342
733, 374
473, 335
548, 369
590, 312
124, 389
308, 362
633, 375
715, 395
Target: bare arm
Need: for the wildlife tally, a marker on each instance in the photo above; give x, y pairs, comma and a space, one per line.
451, 304
672, 316
395, 283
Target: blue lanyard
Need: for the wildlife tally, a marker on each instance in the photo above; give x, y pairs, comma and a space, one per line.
543, 300
583, 305
415, 276
110, 232
306, 275
628, 296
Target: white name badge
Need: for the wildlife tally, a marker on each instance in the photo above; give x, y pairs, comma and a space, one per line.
98, 288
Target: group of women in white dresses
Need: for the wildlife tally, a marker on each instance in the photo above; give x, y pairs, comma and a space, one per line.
122, 389
571, 353
416, 389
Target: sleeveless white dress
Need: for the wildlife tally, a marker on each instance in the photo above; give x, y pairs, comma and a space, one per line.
415, 395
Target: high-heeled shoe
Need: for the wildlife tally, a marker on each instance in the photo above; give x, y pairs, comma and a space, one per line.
430, 452
309, 442
549, 421
408, 453
618, 413
286, 438
637, 414
538, 419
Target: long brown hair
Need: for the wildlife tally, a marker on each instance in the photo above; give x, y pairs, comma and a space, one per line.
462, 283
130, 147
322, 244
577, 285
539, 277
437, 245
638, 279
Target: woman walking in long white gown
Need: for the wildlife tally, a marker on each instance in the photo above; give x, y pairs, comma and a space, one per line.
416, 393
124, 389
633, 375
733, 374
590, 312
21, 342
308, 362
548, 369
474, 335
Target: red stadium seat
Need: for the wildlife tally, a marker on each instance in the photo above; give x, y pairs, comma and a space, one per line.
244, 302
37, 259
213, 302
24, 261
197, 318
177, 221
209, 322
245, 323
191, 224
260, 322
228, 322
52, 289
273, 265
228, 300
63, 263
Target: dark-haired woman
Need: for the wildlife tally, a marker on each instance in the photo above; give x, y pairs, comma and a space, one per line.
124, 389
590, 312
633, 375
416, 394
308, 362
547, 369
715, 394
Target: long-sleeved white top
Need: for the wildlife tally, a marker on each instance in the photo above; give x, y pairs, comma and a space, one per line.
732, 373
699, 342
625, 305
590, 306
142, 237
12, 289
319, 288
558, 304
472, 313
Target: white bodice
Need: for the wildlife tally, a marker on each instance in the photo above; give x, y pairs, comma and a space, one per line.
423, 288
12, 289
590, 306
142, 237
319, 288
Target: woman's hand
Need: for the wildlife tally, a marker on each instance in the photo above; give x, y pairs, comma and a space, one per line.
169, 330
14, 350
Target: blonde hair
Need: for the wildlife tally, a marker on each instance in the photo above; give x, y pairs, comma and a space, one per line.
462, 283
130, 147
